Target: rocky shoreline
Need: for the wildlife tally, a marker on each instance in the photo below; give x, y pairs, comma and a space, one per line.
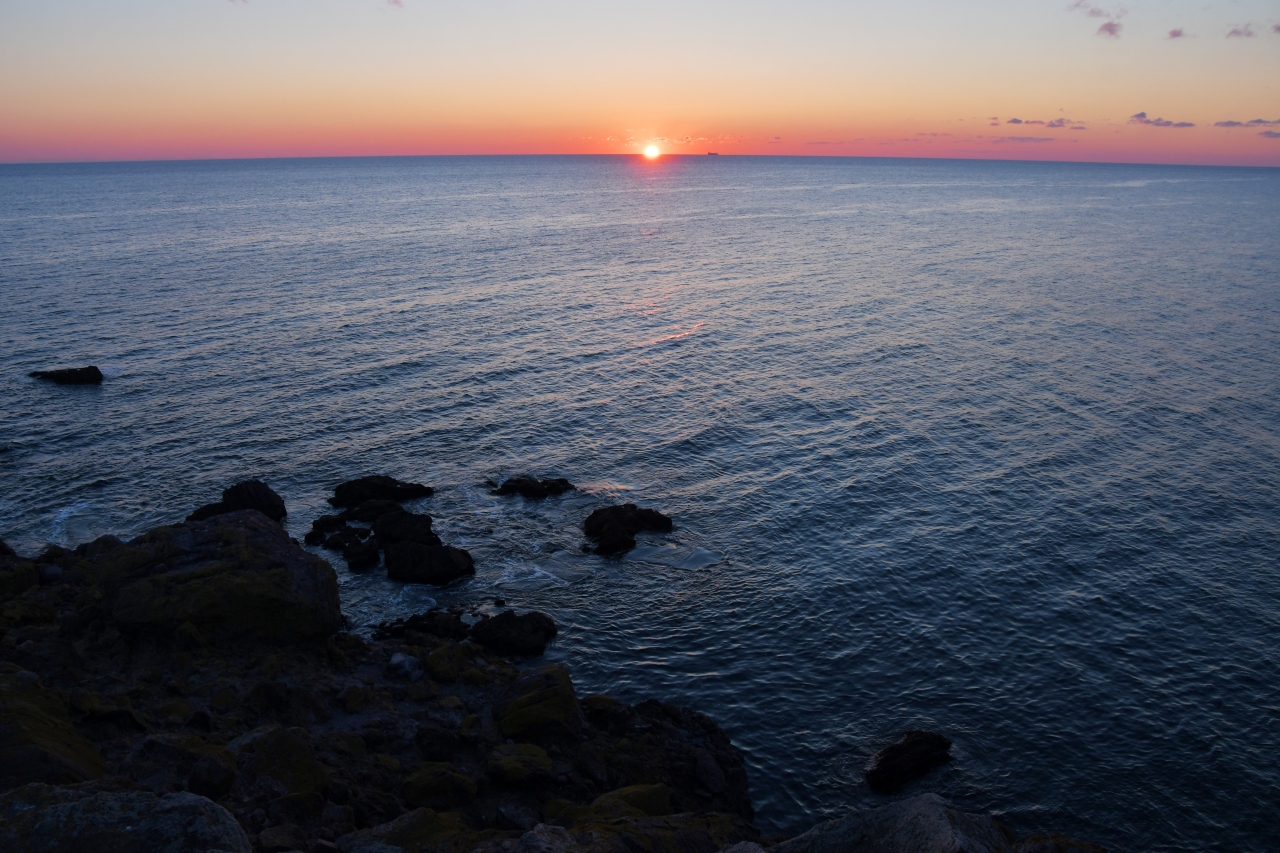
195, 689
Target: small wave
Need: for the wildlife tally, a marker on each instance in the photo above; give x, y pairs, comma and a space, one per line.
672, 337
59, 526
676, 557
517, 574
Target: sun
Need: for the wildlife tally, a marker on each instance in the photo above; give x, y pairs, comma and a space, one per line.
652, 152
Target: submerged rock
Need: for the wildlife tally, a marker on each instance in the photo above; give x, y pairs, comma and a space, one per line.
44, 819
910, 758
377, 487
70, 375
251, 494
411, 562
924, 824
615, 527
532, 487
508, 634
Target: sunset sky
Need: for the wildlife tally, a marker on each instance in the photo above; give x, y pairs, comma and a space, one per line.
1164, 81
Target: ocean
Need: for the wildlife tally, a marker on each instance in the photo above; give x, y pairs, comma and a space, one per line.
986, 448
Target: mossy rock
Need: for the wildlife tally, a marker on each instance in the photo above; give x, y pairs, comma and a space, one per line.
518, 763
284, 756
449, 661
16, 577
541, 702
635, 800
439, 785
422, 831
25, 610
680, 833
38, 743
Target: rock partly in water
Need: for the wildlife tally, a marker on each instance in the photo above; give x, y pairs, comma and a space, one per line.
924, 824
401, 526
377, 487
251, 494
526, 635
323, 527
410, 562
70, 375
532, 487
436, 623
615, 527
371, 510
907, 760
44, 819
361, 556
38, 742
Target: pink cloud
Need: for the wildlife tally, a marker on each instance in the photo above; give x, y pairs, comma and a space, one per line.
1275, 28
1141, 118
1023, 139
1110, 29
1177, 33
1257, 122
1270, 134
1245, 32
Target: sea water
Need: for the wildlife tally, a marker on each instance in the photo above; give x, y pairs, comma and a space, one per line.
991, 449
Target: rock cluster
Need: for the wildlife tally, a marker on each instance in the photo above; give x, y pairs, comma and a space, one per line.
615, 527
533, 488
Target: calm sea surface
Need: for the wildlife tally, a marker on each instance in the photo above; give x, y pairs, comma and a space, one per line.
987, 448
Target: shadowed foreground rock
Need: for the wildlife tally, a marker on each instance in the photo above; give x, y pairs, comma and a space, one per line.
533, 488
615, 527
907, 760
508, 634
70, 375
377, 487
251, 494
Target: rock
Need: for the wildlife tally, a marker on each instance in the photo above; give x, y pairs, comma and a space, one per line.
70, 375
401, 526
509, 634
439, 623
322, 527
345, 537
251, 494
420, 831
377, 487
633, 801
615, 527
361, 556
410, 562
6, 551
676, 833
237, 575
371, 511
546, 838
404, 667
533, 488
438, 785
518, 763
17, 576
910, 758
540, 702
282, 755
38, 743
282, 838
924, 824
44, 819
1055, 843
212, 776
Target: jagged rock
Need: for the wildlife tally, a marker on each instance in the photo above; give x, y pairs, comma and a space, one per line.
401, 526
438, 785
38, 743
371, 511
924, 824
377, 487
540, 702
615, 527
410, 562
439, 623
322, 527
234, 576
532, 487
44, 819
509, 634
361, 556
518, 763
251, 494
910, 758
70, 375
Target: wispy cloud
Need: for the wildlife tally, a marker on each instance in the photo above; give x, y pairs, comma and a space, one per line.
1112, 26
1245, 32
1055, 124
1270, 134
1256, 122
1111, 29
1141, 118
1024, 139
1275, 28
1177, 33
399, 4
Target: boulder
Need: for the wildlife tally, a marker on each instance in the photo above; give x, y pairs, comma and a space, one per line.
281, 755
532, 487
540, 702
518, 763
910, 758
420, 831
410, 562
377, 487
615, 527
371, 511
361, 556
234, 576
438, 623
38, 743
924, 824
438, 785
251, 494
509, 634
401, 526
44, 819
70, 375
322, 527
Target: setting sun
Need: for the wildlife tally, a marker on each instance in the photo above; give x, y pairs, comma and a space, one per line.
651, 151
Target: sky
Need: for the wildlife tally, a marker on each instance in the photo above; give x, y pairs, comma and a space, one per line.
1161, 81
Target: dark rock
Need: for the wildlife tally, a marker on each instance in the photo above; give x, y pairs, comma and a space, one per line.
438, 623
70, 375
371, 511
910, 758
282, 838
251, 494
212, 776
540, 702
377, 487
509, 634
927, 824
6, 551
435, 742
322, 527
532, 487
38, 743
98, 547
615, 527
44, 819
401, 526
410, 562
361, 556
344, 538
